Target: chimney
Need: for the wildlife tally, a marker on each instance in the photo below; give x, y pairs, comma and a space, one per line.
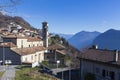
115, 56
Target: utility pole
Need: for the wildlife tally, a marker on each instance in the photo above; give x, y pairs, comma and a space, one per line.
21, 52
4, 56
69, 72
55, 55
62, 75
58, 62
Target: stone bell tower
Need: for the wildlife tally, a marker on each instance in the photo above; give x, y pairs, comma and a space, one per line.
45, 34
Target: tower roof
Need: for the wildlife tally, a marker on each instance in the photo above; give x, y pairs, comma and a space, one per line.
44, 24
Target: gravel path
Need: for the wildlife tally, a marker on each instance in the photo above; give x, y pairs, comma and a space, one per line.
9, 73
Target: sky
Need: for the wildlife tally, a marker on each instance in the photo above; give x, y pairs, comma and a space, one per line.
71, 16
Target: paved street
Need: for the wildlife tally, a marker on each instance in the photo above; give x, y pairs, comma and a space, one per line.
9, 73
1, 68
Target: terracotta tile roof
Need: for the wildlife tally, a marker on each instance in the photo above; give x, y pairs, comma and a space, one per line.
34, 39
100, 55
30, 50
7, 44
14, 36
61, 52
23, 37
56, 46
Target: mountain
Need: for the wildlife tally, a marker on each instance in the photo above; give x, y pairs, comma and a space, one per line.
5, 20
108, 40
83, 39
66, 36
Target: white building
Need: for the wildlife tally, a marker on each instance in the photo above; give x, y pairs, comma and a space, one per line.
20, 49
23, 42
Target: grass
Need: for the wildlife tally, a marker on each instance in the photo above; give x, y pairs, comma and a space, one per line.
26, 73
1, 73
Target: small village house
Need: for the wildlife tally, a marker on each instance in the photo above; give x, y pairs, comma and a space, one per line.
55, 52
103, 64
22, 49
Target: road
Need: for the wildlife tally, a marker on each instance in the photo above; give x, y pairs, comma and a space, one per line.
9, 73
1, 68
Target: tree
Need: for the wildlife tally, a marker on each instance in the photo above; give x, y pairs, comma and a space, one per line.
8, 5
57, 37
65, 42
90, 76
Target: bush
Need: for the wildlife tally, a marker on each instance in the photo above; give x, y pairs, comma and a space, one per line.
90, 76
46, 63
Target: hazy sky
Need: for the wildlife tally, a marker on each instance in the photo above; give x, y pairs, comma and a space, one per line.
71, 16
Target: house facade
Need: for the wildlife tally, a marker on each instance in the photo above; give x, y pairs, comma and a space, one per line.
55, 52
6, 54
18, 49
103, 64
23, 42
31, 55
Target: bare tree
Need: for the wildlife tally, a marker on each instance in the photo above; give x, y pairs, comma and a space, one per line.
8, 5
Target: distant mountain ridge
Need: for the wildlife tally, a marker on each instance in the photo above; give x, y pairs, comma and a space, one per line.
66, 36
108, 40
83, 39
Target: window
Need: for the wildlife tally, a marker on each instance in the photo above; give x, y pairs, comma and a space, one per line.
39, 57
35, 57
21, 43
51, 51
103, 73
40, 44
32, 57
47, 57
108, 74
118, 76
26, 59
97, 70
21, 46
112, 75
33, 45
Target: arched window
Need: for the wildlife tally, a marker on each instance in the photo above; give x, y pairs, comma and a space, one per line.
32, 57
39, 57
26, 59
35, 57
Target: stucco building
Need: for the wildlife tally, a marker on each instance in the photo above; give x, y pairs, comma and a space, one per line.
103, 64
20, 49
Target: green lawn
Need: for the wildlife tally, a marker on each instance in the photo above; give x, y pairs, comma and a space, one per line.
32, 74
1, 73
